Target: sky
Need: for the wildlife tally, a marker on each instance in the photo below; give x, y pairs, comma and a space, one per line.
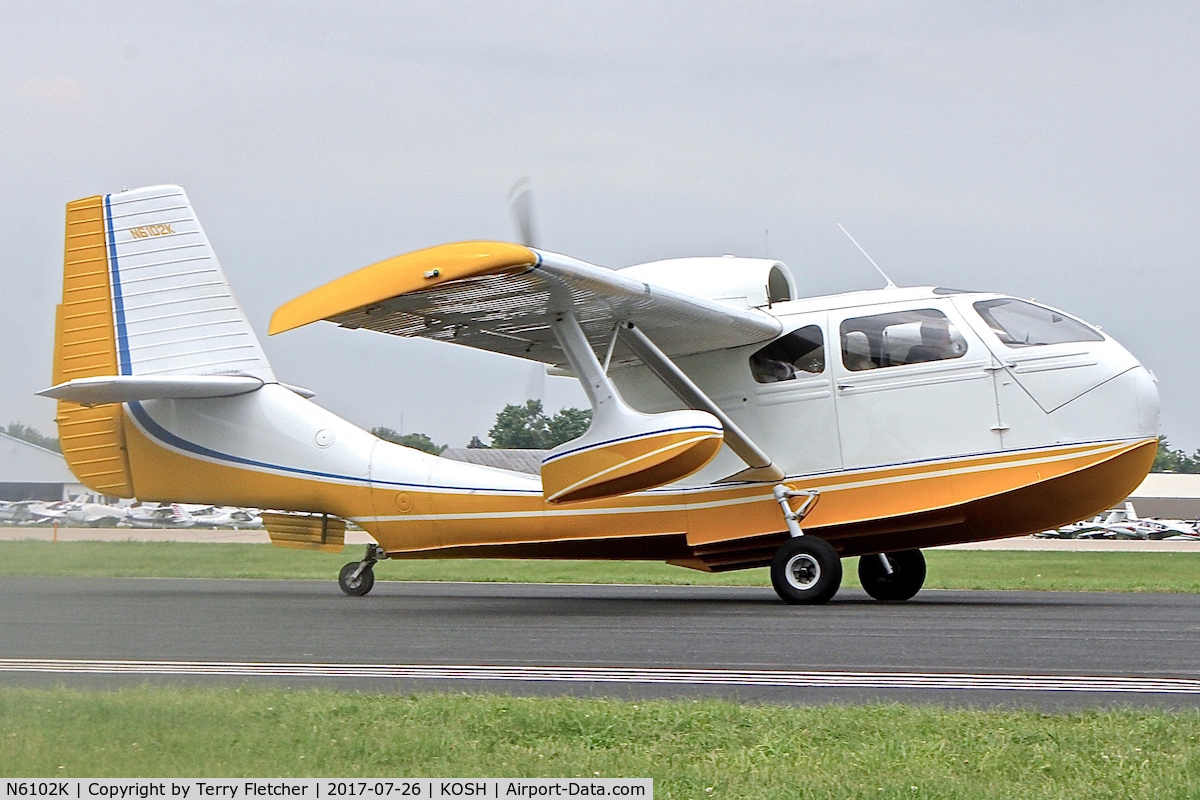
1047, 150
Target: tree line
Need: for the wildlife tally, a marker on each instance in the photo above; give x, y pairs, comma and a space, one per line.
27, 433
518, 427
1168, 460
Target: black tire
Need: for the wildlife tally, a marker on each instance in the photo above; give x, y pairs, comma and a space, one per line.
907, 578
806, 571
360, 585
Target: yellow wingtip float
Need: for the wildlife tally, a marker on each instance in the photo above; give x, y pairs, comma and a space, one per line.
723, 407
629, 464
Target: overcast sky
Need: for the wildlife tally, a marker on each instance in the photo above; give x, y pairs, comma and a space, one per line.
1048, 150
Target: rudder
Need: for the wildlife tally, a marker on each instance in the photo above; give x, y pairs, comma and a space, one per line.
92, 439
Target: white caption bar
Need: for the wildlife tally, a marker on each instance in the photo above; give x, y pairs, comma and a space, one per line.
321, 788
626, 675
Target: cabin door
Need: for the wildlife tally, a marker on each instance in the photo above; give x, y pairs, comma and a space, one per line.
793, 398
912, 384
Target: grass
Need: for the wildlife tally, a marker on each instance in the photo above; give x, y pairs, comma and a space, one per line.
690, 748
948, 569
1058, 571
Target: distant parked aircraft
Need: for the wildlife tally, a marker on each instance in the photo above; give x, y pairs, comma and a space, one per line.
1124, 523
94, 515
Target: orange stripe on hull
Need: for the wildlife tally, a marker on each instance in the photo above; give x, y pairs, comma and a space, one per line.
851, 502
916, 505
1034, 507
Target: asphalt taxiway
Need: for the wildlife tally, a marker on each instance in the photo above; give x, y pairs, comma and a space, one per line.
356, 537
1042, 649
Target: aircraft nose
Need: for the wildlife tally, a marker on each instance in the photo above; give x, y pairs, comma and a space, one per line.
1146, 393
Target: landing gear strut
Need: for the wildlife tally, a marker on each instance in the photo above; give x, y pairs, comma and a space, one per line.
806, 570
357, 577
892, 577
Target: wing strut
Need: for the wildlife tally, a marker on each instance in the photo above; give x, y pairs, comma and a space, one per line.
761, 466
582, 359
623, 450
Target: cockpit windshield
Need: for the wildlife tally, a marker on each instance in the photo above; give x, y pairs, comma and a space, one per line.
1020, 324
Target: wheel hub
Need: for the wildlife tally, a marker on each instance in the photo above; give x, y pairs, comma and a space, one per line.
803, 571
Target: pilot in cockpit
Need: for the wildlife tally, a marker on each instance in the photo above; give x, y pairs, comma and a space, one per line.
770, 370
935, 343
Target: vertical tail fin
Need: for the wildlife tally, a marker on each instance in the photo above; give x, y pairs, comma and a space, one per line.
179, 515
143, 294
173, 309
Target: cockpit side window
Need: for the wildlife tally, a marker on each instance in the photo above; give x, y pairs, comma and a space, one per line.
900, 337
1020, 324
802, 350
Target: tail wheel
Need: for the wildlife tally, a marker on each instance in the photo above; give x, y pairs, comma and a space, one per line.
356, 585
905, 580
806, 571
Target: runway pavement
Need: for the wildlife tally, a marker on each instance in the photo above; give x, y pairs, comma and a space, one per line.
357, 537
1049, 650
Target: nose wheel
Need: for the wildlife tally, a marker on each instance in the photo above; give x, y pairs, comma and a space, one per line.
892, 577
806, 571
358, 577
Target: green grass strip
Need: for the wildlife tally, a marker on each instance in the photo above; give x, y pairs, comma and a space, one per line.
948, 569
692, 749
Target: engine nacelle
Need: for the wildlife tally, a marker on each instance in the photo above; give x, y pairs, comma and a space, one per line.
741, 282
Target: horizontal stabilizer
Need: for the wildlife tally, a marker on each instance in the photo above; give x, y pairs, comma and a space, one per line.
103, 389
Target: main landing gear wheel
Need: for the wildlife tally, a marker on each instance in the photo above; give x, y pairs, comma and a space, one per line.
806, 570
357, 577
905, 579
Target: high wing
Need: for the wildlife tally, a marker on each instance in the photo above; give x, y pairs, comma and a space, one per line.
504, 297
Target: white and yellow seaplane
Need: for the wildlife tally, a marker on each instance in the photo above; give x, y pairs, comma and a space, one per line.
735, 424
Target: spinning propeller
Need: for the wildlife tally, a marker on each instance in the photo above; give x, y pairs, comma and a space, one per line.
520, 201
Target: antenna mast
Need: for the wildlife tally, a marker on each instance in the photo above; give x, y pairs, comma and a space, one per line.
890, 285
